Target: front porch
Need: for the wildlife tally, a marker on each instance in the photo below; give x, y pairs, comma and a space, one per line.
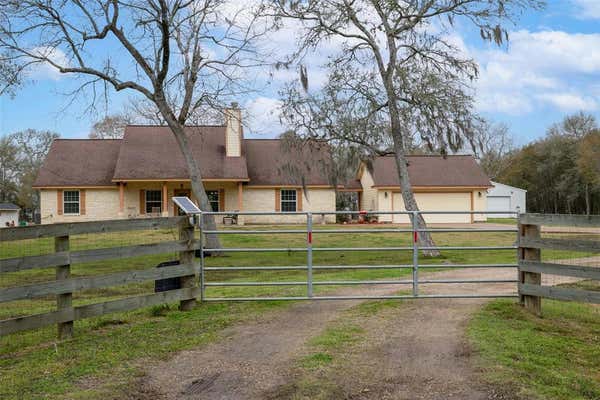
154, 198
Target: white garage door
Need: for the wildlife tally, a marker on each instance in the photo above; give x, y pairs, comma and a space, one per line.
498, 203
437, 202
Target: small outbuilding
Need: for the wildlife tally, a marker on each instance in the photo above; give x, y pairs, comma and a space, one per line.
503, 197
9, 213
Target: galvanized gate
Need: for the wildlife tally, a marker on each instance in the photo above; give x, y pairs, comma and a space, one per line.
311, 236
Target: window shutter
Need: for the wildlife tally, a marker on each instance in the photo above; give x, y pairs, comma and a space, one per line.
298, 199
221, 199
82, 202
142, 201
277, 200
59, 202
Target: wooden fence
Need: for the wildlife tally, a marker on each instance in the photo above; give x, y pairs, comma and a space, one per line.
531, 267
64, 285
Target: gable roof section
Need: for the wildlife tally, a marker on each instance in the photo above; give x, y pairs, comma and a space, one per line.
79, 163
152, 153
270, 164
9, 207
431, 171
499, 187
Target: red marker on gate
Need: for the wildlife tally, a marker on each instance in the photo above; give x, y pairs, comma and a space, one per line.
309, 237
416, 235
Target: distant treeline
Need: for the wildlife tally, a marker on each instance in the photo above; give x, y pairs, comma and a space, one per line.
561, 171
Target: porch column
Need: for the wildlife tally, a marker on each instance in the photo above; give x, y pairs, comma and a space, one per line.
240, 206
165, 200
121, 199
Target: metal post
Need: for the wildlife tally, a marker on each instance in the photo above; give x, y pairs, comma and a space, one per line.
415, 254
309, 255
201, 227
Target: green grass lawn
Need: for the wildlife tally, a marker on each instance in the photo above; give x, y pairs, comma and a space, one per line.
34, 365
555, 357
506, 221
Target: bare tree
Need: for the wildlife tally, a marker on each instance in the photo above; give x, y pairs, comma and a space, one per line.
577, 126
142, 111
398, 55
493, 144
21, 155
109, 127
179, 55
9, 169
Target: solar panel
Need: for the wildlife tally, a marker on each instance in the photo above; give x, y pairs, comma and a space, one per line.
186, 205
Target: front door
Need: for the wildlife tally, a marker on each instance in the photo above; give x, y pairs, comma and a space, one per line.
180, 193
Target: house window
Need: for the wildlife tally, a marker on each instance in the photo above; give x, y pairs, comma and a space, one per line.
71, 201
288, 200
153, 201
213, 199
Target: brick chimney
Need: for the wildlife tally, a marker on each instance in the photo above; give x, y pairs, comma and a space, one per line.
233, 131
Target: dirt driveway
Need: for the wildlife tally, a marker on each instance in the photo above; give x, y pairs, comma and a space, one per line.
417, 353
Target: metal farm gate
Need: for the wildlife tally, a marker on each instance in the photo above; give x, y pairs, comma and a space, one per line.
311, 235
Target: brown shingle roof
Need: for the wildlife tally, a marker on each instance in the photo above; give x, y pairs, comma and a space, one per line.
269, 164
79, 162
432, 171
151, 152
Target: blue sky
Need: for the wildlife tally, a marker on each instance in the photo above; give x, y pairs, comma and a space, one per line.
550, 68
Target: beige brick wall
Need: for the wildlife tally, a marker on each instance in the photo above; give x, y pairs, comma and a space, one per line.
233, 132
368, 199
385, 199
480, 204
99, 204
264, 200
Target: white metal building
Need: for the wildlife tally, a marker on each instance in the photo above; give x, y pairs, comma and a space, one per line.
502, 197
8, 213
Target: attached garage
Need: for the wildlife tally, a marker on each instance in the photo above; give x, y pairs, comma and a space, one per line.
447, 201
454, 183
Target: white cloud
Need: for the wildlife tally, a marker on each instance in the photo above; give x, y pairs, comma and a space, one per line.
570, 101
45, 70
547, 68
262, 117
588, 9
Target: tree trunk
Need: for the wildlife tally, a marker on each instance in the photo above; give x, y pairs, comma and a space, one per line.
410, 204
212, 241
588, 210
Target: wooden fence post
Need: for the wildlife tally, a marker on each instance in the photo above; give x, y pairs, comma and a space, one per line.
531, 303
186, 233
63, 301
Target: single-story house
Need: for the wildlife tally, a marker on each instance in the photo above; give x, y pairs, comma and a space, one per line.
137, 176
503, 197
95, 179
9, 213
453, 183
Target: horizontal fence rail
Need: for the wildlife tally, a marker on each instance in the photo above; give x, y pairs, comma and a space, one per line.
311, 247
531, 267
191, 273
78, 228
64, 285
